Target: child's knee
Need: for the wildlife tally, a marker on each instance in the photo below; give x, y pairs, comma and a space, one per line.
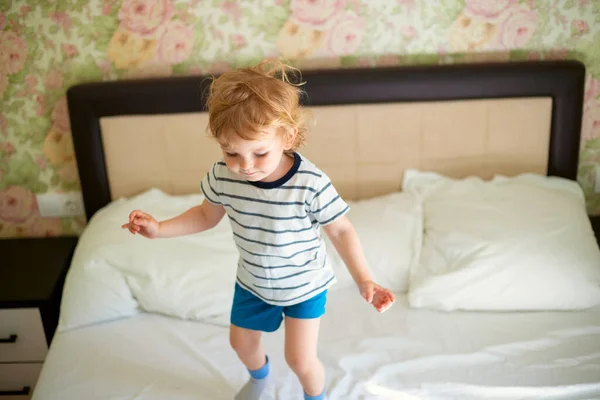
243, 342
301, 364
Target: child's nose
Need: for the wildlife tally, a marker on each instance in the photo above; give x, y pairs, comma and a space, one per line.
246, 165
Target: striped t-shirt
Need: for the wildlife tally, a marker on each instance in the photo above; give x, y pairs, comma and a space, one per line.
276, 226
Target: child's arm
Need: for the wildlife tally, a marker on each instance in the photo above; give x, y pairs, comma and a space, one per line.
346, 242
194, 220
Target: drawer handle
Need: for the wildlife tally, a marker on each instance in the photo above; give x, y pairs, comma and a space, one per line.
23, 392
10, 339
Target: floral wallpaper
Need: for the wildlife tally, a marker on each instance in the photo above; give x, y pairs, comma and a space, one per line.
48, 45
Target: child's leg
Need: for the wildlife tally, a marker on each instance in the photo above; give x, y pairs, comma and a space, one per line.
301, 354
247, 345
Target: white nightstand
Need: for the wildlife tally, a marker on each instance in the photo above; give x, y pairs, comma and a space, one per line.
32, 273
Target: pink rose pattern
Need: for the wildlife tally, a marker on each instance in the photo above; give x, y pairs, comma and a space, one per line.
106, 7
409, 32
233, 9
408, 4
237, 40
316, 13
62, 19
60, 115
31, 81
13, 52
41, 162
487, 9
29, 89
43, 227
591, 121
580, 26
24, 10
145, 17
17, 204
591, 110
41, 105
54, 79
231, 31
346, 35
592, 89
69, 50
517, 27
7, 148
176, 43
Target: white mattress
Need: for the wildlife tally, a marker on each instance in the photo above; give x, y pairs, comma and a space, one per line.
402, 354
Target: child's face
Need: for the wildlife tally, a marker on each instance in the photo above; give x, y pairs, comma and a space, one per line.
256, 160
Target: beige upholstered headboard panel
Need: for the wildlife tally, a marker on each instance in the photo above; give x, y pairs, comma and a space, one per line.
363, 148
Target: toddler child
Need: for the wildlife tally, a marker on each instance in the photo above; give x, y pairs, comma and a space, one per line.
277, 201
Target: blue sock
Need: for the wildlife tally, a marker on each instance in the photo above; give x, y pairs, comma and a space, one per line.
317, 397
262, 372
256, 385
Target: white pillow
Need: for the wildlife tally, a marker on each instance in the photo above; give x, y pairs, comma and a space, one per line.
390, 229
115, 274
522, 243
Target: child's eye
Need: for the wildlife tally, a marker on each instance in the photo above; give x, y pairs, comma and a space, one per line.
231, 154
262, 154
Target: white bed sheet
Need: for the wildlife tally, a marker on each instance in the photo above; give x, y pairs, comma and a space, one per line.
402, 354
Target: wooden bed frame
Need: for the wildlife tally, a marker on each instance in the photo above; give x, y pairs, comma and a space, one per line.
562, 81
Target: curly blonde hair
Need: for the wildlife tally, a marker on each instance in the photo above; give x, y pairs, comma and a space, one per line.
247, 101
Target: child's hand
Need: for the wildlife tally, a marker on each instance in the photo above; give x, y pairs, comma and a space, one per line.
381, 298
142, 223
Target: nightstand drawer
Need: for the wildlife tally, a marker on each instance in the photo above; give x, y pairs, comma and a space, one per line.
22, 336
18, 380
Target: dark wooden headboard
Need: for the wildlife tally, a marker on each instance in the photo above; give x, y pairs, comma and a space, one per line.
563, 81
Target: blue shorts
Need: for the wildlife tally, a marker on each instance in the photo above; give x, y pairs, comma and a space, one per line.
250, 312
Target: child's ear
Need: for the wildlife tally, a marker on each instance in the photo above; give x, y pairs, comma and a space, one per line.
289, 137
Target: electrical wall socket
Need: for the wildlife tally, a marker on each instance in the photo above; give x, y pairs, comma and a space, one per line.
68, 204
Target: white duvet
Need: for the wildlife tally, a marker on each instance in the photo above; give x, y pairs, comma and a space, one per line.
401, 354
109, 347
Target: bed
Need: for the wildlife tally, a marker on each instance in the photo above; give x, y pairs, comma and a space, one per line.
372, 126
